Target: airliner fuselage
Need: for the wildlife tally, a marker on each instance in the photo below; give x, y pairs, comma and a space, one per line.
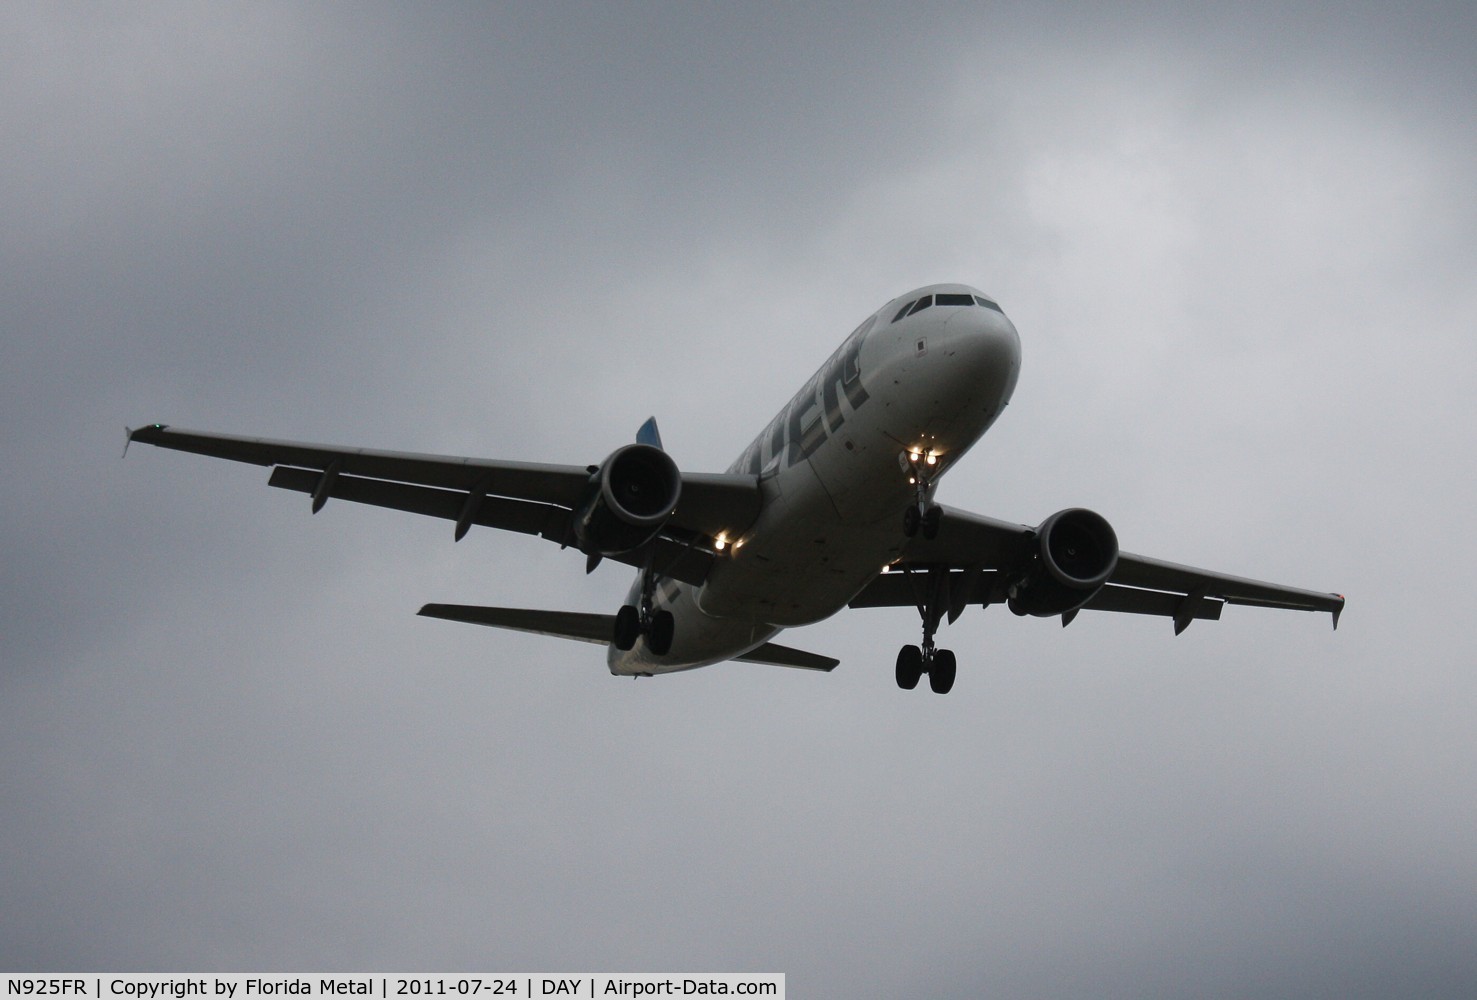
892, 409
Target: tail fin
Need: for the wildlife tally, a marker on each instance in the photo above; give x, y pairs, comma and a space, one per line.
648, 434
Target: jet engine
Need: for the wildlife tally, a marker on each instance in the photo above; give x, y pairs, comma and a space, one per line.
631, 495
1073, 554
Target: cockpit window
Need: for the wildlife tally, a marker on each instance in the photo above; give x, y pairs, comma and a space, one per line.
945, 299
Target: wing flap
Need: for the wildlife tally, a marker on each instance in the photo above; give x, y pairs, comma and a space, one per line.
1156, 574
908, 590
524, 516
1154, 602
686, 563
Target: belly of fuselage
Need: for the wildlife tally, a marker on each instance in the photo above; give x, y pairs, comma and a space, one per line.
799, 563
833, 520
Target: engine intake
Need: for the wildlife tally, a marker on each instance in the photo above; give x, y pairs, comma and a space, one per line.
1073, 555
632, 494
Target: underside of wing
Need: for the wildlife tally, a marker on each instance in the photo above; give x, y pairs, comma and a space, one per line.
532, 498
979, 560
552, 484
1155, 574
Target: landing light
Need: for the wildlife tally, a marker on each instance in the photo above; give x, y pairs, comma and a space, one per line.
933, 459
721, 542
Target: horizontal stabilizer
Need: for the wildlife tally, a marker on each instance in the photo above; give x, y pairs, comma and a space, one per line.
589, 627
783, 656
584, 626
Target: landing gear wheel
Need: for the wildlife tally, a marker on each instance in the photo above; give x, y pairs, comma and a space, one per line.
663, 628
931, 521
627, 627
928, 519
909, 667
941, 671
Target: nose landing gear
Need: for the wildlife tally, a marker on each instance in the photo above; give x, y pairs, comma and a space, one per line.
924, 514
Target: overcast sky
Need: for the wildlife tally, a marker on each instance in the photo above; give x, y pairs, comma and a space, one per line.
1240, 247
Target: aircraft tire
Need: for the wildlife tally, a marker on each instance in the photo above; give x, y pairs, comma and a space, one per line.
931, 522
627, 627
909, 667
911, 520
941, 671
663, 629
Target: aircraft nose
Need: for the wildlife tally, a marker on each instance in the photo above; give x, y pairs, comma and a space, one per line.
983, 341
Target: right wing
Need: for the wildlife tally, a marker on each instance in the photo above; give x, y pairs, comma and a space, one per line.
528, 497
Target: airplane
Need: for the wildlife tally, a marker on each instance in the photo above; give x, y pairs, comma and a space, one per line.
830, 507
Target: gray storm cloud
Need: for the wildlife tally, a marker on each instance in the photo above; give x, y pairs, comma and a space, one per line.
1239, 249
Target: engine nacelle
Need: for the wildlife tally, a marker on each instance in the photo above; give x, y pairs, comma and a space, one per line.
1074, 554
632, 495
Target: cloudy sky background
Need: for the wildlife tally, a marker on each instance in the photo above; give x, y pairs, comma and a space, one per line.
1240, 249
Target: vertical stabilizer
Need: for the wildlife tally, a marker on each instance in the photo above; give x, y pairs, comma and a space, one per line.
648, 434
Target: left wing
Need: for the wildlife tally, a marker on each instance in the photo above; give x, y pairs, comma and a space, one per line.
973, 560
528, 497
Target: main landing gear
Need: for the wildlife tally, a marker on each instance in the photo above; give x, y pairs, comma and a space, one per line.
632, 622
939, 664
915, 661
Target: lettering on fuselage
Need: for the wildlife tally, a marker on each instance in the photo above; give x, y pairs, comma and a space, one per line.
814, 414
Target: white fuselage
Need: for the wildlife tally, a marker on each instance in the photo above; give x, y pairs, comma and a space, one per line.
836, 469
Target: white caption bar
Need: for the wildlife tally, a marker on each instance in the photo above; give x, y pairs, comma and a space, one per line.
398, 986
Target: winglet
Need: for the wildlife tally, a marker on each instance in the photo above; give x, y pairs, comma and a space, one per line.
1338, 611
648, 434
148, 433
